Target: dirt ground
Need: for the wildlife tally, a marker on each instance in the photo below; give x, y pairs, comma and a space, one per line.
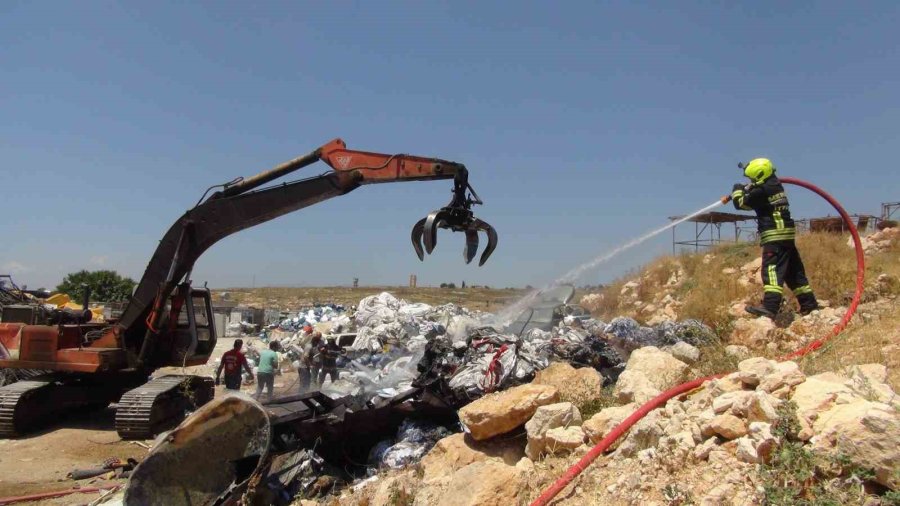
39, 462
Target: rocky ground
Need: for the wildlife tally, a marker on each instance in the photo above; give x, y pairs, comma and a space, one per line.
824, 430
729, 442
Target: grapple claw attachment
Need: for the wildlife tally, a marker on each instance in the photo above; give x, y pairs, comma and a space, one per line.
417, 231
491, 233
432, 222
458, 217
471, 247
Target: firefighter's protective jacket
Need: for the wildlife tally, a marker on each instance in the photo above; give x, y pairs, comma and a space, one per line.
770, 203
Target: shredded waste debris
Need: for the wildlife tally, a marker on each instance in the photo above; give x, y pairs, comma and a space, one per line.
400, 358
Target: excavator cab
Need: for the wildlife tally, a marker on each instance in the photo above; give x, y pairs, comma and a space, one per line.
191, 333
195, 324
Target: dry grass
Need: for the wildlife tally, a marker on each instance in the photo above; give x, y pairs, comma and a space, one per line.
862, 343
706, 290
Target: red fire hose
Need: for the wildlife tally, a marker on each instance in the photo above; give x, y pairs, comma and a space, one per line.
664, 397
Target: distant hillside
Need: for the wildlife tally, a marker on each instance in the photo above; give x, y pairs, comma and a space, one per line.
482, 299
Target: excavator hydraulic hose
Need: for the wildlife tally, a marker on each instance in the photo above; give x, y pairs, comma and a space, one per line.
664, 397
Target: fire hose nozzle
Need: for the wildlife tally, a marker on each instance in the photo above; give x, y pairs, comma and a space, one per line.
726, 199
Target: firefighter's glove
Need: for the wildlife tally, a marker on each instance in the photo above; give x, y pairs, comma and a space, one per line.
737, 186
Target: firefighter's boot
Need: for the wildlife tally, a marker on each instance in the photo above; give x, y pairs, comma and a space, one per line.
808, 303
760, 311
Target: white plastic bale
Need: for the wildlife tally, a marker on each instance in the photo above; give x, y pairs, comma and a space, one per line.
474, 377
416, 310
366, 339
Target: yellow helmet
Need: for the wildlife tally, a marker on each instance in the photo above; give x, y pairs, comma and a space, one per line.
759, 169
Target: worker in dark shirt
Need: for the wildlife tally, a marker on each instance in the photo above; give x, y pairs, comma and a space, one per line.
330, 351
781, 263
232, 361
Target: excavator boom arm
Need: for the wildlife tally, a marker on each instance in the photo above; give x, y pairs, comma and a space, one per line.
241, 205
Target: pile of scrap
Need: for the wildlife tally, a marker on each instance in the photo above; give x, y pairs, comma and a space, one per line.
409, 370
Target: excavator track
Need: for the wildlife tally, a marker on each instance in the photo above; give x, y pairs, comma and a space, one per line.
15, 416
160, 404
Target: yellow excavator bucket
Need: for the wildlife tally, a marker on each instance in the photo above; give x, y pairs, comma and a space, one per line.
58, 299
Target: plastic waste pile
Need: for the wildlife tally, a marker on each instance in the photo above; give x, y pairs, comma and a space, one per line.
459, 356
391, 337
333, 313
627, 335
414, 439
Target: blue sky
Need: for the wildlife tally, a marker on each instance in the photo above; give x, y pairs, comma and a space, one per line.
582, 124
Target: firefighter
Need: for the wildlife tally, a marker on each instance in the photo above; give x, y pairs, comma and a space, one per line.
781, 263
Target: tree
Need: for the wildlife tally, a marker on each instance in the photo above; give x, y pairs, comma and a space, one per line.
106, 286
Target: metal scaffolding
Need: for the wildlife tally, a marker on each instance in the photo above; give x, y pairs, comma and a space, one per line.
708, 229
888, 209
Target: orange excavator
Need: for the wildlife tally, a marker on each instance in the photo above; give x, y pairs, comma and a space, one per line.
169, 323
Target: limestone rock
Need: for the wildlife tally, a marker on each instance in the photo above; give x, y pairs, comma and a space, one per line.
753, 266
728, 426
679, 445
388, 489
599, 425
488, 482
784, 374
757, 407
746, 450
702, 451
868, 433
724, 402
459, 450
873, 373
563, 439
720, 495
737, 351
574, 385
525, 464
646, 433
725, 384
818, 394
753, 370
685, 352
548, 417
502, 412
806, 431
752, 332
634, 386
868, 381
764, 441
649, 370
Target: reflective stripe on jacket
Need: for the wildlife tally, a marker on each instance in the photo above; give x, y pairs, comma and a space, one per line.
773, 214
